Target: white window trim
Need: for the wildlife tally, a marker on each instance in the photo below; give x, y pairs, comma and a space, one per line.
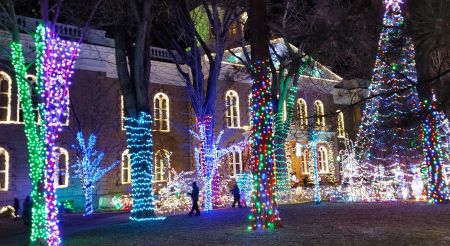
161, 110
229, 112
64, 152
9, 94
6, 170
322, 150
319, 111
159, 176
302, 118
235, 156
127, 166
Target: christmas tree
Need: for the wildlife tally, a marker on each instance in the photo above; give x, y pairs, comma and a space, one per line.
389, 134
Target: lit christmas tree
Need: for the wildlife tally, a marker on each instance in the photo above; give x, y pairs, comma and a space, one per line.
388, 137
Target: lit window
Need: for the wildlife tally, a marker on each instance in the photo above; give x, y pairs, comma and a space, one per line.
161, 112
4, 169
319, 114
232, 109
340, 124
162, 165
126, 167
322, 160
34, 100
235, 162
5, 97
304, 161
62, 168
284, 111
302, 112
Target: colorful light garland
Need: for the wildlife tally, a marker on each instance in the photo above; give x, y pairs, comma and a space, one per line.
264, 207
437, 190
140, 146
87, 168
317, 197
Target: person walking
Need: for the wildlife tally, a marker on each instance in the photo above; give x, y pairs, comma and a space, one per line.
237, 196
16, 208
27, 205
194, 197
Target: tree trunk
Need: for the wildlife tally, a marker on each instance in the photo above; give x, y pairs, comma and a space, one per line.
317, 197
89, 204
265, 210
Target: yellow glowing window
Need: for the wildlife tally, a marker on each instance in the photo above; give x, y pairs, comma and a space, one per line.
322, 160
302, 114
232, 109
161, 113
319, 114
340, 124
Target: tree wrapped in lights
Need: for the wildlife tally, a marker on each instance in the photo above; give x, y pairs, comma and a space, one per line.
56, 66
207, 162
35, 137
432, 120
388, 135
351, 174
88, 169
315, 176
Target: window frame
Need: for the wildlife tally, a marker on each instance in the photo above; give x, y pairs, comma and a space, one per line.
235, 159
5, 153
319, 111
229, 112
160, 97
9, 96
161, 167
303, 119
322, 161
340, 129
125, 153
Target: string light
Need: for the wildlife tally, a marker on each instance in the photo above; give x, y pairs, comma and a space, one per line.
264, 212
35, 140
87, 168
140, 144
437, 190
207, 159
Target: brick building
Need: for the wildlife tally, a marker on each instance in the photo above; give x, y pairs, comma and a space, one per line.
96, 106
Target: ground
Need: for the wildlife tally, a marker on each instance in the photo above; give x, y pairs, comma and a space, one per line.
304, 224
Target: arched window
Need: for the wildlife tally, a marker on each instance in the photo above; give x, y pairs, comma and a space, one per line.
161, 112
302, 112
5, 97
126, 168
322, 160
162, 165
319, 114
34, 100
304, 159
4, 169
235, 162
340, 124
232, 109
62, 168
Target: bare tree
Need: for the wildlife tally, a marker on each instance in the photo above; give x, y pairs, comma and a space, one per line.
189, 37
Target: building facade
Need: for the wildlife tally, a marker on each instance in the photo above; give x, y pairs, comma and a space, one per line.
97, 107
